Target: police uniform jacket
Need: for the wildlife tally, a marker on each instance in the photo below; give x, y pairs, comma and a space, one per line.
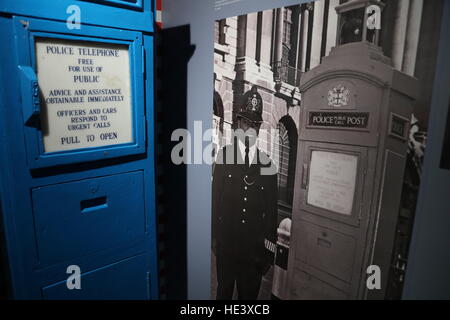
244, 207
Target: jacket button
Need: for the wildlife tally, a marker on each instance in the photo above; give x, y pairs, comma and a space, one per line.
245, 187
245, 199
243, 210
243, 221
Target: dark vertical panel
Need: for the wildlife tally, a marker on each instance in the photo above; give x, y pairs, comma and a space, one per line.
445, 158
427, 273
258, 37
295, 39
387, 26
274, 30
393, 175
242, 36
310, 33
176, 52
427, 56
323, 46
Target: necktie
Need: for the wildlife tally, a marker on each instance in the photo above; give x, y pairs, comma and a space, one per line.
247, 161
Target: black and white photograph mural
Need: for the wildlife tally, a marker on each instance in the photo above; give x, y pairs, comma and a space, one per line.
315, 197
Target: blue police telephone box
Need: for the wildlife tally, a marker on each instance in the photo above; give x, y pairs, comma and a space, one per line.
77, 190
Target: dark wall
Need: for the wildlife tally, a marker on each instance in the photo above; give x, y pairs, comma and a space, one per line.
427, 57
175, 52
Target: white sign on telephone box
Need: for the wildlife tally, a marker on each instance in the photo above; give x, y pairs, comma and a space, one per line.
85, 94
332, 181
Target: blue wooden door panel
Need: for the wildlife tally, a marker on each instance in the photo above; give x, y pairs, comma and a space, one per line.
124, 280
92, 208
78, 218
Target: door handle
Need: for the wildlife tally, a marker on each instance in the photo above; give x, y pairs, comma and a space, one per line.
305, 176
95, 204
324, 243
31, 105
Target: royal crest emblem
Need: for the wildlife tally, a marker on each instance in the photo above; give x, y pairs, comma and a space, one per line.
338, 96
254, 103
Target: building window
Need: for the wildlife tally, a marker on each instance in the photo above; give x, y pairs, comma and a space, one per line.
219, 31
285, 59
284, 163
287, 35
287, 161
287, 24
218, 119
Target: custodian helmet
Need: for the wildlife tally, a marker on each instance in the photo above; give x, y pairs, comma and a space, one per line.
252, 106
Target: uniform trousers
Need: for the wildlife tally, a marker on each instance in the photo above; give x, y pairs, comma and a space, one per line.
231, 270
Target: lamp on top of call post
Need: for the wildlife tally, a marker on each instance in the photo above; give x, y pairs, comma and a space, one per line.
359, 20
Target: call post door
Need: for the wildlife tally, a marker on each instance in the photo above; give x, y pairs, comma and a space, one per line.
352, 150
77, 192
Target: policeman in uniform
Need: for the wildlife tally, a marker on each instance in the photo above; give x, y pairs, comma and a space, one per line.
244, 208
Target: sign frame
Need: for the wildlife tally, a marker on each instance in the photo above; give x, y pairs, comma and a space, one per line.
315, 199
405, 123
340, 113
27, 30
362, 157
